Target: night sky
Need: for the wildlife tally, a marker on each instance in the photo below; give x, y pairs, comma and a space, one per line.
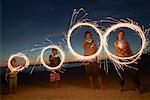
27, 22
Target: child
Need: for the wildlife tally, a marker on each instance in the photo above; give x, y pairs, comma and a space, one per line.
11, 77
123, 50
92, 68
55, 74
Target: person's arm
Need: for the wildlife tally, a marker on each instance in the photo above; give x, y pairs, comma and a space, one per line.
59, 60
59, 63
6, 75
128, 46
116, 48
83, 44
50, 59
94, 46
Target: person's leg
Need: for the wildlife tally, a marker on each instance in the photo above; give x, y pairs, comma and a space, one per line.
98, 74
52, 80
52, 85
90, 76
100, 82
56, 84
122, 80
10, 85
134, 76
57, 80
91, 82
14, 85
13, 89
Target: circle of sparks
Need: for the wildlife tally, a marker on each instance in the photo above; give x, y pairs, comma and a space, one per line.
130, 59
19, 68
62, 57
70, 46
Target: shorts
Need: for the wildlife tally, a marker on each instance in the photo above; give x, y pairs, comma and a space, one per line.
54, 77
93, 69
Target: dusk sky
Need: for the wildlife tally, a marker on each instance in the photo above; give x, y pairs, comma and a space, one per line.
27, 22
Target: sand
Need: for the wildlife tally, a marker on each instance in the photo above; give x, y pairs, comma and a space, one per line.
74, 86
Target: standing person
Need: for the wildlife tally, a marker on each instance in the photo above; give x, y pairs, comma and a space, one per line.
123, 50
92, 69
55, 74
11, 77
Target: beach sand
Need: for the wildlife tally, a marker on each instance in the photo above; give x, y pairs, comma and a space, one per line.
74, 86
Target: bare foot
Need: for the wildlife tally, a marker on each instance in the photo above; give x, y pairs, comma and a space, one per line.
140, 90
